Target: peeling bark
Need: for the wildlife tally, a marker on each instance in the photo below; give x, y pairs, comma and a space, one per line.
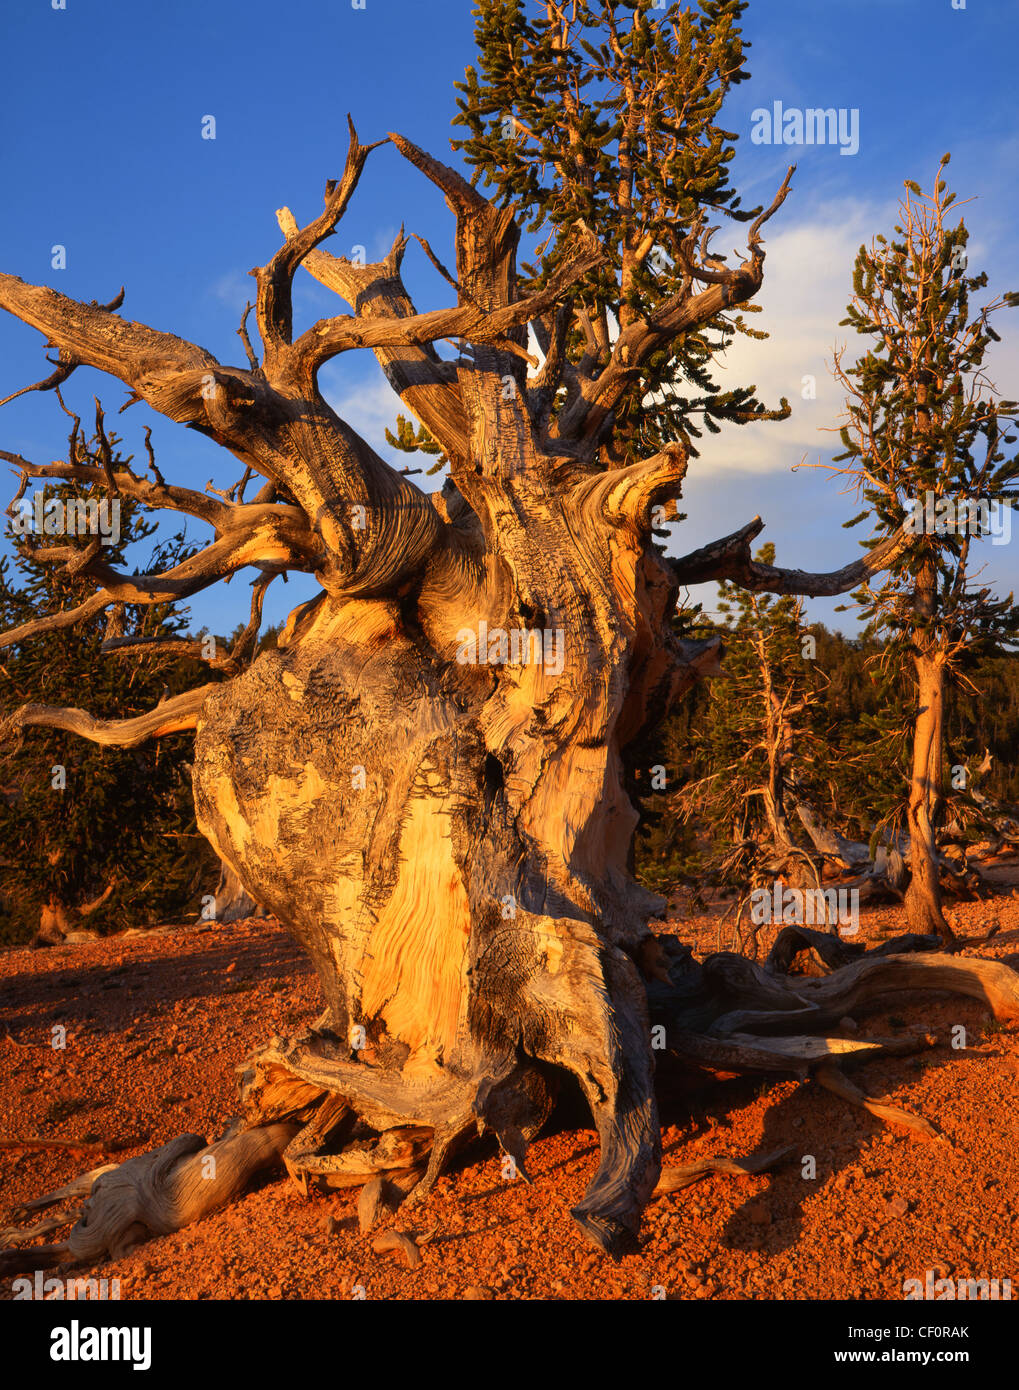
424, 781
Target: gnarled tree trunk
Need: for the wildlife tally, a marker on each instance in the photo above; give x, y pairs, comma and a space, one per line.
450, 840
425, 781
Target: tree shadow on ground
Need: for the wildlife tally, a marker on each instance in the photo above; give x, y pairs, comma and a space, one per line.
817, 1124
104, 995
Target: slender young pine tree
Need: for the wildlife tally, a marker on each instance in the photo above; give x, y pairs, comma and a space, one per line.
925, 436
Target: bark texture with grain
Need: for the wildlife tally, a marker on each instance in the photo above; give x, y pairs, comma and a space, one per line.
424, 781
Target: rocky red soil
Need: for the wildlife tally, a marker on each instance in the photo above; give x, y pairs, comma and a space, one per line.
156, 1024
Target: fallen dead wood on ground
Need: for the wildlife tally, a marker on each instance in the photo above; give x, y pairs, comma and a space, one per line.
299, 1096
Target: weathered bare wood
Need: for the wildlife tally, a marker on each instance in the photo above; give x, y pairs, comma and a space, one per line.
730, 559
675, 1178
832, 952
16, 1235
398, 1240
730, 995
796, 1053
80, 1187
832, 1079
20, 1259
163, 1191
233, 901
426, 385
371, 1203
424, 781
178, 713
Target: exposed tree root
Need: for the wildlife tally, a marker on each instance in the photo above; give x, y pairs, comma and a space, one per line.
397, 1240
830, 952
32, 1257
727, 994
396, 1153
829, 1076
17, 1235
377, 1196
79, 1187
744, 1052
156, 1193
309, 1106
673, 1179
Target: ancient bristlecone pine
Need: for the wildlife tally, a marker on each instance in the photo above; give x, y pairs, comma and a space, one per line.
449, 839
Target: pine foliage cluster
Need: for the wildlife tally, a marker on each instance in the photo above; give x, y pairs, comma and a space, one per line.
76, 817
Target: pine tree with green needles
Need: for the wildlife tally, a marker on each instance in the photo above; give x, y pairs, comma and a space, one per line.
925, 437
94, 837
755, 749
862, 728
608, 113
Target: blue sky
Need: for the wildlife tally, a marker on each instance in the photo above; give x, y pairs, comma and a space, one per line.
103, 154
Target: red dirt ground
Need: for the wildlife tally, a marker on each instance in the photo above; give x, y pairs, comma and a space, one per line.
156, 1024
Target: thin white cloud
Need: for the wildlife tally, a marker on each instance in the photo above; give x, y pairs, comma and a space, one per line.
807, 284
370, 406
234, 288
